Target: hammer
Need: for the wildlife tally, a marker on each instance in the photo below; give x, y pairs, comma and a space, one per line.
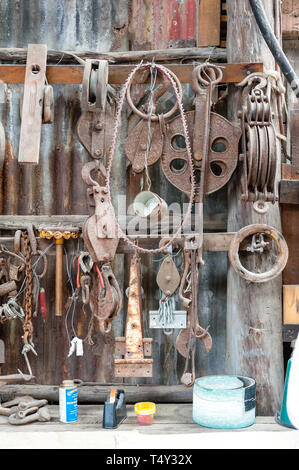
59, 234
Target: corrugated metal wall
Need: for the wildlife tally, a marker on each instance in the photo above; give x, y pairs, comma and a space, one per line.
55, 185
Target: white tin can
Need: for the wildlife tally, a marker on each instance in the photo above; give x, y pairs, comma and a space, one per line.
68, 402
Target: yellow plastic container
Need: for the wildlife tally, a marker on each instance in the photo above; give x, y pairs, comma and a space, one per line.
145, 412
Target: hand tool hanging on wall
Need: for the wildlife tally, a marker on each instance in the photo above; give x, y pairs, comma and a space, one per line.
37, 104
99, 286
59, 236
133, 346
204, 79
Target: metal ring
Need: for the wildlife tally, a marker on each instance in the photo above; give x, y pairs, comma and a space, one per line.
260, 206
155, 117
281, 261
198, 78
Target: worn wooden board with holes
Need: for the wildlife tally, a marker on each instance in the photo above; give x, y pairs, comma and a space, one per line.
209, 23
32, 107
291, 304
73, 74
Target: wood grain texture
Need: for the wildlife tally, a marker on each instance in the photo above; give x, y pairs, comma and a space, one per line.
290, 23
291, 304
209, 23
254, 312
73, 74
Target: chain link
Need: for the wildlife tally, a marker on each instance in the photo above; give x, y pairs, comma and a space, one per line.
27, 326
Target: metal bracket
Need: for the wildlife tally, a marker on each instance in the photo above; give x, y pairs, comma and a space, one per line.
179, 319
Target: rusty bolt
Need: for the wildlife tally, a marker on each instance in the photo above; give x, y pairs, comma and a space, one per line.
97, 152
98, 126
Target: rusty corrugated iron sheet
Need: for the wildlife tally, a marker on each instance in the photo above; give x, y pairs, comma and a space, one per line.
55, 186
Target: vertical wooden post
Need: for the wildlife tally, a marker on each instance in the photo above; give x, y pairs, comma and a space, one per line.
254, 311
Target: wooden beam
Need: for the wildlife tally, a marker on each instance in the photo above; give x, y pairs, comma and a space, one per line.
254, 311
289, 192
18, 55
73, 74
98, 393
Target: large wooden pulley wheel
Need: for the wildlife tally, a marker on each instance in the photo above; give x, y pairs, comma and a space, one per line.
282, 252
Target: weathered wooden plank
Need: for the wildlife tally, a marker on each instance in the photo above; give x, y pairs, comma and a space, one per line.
289, 218
209, 23
73, 74
290, 23
13, 222
253, 310
289, 191
291, 304
98, 393
19, 55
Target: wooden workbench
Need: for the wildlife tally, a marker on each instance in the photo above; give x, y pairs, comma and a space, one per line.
173, 428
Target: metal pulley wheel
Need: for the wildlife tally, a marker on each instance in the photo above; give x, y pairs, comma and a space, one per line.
94, 85
48, 105
281, 260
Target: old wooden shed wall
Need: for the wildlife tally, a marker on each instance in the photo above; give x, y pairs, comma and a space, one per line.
55, 185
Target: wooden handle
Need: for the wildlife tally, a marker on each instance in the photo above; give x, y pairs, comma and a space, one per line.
58, 280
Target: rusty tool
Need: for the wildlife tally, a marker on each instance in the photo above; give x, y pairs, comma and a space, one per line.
36, 97
186, 339
59, 234
221, 145
95, 125
133, 346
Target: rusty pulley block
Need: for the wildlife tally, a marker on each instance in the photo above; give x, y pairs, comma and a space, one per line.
133, 346
259, 145
95, 125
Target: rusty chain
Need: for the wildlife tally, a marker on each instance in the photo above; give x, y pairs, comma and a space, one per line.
27, 326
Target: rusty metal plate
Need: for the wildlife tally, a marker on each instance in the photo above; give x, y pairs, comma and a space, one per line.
222, 157
136, 145
120, 346
128, 369
95, 131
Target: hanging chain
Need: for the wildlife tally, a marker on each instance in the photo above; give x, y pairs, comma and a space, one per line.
27, 326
